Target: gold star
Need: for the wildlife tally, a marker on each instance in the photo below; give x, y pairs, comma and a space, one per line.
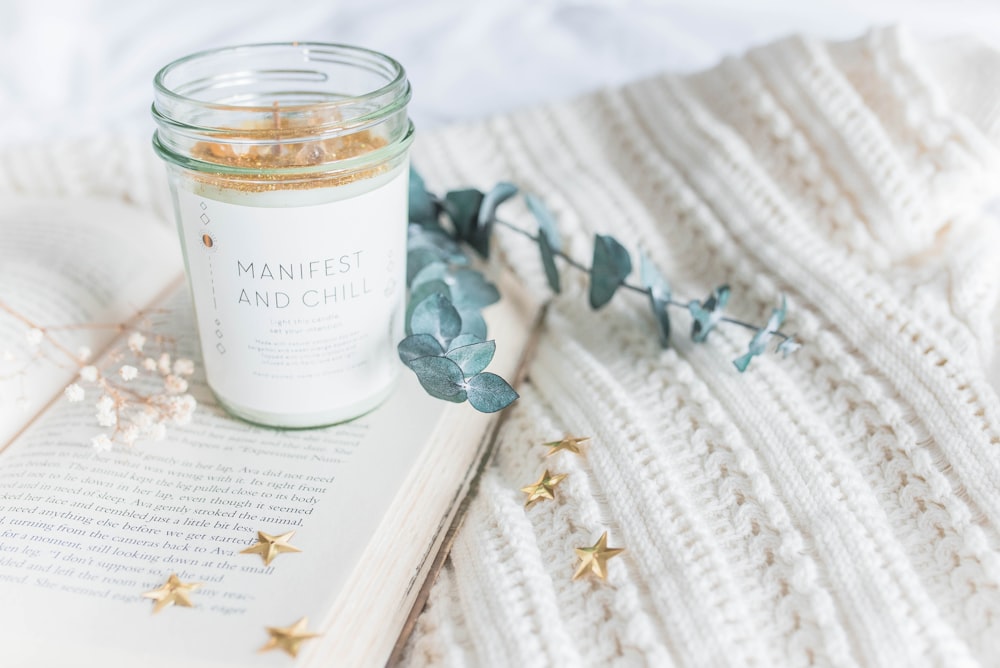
569, 444
595, 559
542, 488
268, 546
288, 638
173, 591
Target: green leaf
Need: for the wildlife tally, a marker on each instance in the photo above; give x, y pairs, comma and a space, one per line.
419, 294
659, 296
489, 393
549, 263
437, 241
418, 345
464, 340
416, 260
470, 289
473, 358
609, 270
758, 344
498, 194
462, 207
435, 271
788, 346
423, 207
743, 361
473, 323
707, 314
652, 279
436, 316
441, 377
546, 223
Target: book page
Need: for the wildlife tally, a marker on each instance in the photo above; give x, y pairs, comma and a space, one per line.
68, 263
83, 533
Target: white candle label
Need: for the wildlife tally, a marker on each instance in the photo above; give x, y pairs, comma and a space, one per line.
299, 307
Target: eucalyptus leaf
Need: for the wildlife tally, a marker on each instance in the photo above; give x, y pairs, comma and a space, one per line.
489, 393
758, 344
418, 345
609, 270
472, 359
424, 208
706, 315
434, 271
470, 289
549, 263
652, 279
546, 223
497, 195
417, 259
441, 377
419, 294
659, 296
436, 316
464, 340
462, 207
436, 241
788, 346
473, 323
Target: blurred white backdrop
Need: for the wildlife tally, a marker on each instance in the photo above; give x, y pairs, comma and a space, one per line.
81, 67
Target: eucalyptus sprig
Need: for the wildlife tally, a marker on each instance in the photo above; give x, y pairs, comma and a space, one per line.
446, 342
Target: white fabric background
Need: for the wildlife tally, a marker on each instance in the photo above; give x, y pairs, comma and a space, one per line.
80, 67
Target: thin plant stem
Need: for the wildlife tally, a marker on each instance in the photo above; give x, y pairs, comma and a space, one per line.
576, 264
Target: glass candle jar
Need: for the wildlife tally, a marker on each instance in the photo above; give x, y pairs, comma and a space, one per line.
289, 170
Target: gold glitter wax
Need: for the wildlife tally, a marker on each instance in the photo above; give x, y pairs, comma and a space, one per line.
284, 146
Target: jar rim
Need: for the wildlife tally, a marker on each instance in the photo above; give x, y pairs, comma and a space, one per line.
160, 87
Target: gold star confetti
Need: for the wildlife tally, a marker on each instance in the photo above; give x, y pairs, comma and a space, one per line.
542, 488
569, 444
595, 559
268, 546
172, 592
288, 638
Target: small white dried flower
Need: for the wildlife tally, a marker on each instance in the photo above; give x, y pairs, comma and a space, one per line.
156, 432
149, 364
74, 393
128, 372
89, 373
175, 384
101, 443
7, 356
183, 367
107, 419
34, 337
135, 342
83, 353
181, 408
105, 404
130, 434
163, 364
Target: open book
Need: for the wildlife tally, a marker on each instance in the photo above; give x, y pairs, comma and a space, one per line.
84, 533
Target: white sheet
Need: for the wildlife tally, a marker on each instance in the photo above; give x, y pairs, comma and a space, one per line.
79, 67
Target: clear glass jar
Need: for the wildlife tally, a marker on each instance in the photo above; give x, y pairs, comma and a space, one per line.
289, 170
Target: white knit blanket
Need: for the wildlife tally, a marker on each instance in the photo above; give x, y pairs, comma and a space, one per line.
840, 507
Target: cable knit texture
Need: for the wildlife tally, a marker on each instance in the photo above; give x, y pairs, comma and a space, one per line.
840, 507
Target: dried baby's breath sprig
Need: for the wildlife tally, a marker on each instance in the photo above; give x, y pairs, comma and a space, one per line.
138, 389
